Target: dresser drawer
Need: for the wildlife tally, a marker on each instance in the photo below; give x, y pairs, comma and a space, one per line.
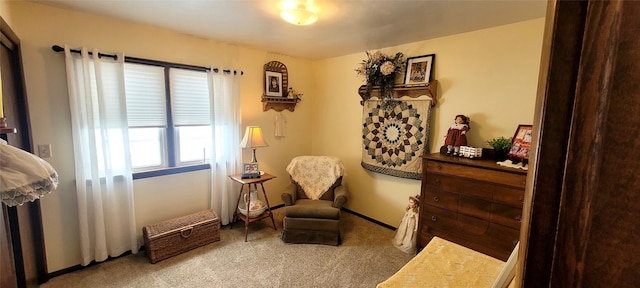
494, 176
491, 238
453, 222
475, 203
485, 190
493, 212
441, 199
506, 215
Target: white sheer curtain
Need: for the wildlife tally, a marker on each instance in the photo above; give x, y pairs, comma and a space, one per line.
103, 172
225, 156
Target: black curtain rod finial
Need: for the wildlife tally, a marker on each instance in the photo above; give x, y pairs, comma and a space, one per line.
57, 48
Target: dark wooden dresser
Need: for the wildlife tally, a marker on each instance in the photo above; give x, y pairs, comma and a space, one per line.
473, 202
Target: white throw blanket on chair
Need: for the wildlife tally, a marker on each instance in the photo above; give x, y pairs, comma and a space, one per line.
315, 174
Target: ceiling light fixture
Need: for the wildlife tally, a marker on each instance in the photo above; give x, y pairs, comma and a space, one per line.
299, 14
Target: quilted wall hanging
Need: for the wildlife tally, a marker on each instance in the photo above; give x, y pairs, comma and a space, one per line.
394, 136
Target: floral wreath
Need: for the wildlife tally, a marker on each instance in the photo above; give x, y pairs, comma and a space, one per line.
380, 70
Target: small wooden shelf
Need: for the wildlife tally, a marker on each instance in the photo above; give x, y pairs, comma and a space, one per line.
414, 91
278, 103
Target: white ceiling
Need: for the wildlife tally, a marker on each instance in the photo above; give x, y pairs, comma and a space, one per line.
344, 26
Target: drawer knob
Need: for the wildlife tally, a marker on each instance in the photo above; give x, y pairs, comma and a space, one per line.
434, 218
437, 181
519, 218
436, 198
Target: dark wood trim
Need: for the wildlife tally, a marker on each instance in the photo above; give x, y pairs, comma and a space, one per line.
554, 110
598, 224
16, 243
583, 194
91, 264
370, 219
35, 215
11, 40
354, 213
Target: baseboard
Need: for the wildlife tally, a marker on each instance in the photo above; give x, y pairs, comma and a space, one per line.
80, 267
370, 219
277, 206
356, 214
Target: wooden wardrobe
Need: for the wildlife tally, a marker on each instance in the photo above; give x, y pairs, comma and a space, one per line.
582, 200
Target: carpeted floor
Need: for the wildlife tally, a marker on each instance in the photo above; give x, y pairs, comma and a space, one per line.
365, 258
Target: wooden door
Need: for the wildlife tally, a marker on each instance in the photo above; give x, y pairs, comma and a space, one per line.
22, 239
584, 196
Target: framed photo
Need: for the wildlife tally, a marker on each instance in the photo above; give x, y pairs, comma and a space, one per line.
521, 143
250, 170
419, 69
273, 83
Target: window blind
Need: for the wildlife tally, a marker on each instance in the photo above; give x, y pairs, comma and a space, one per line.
145, 94
98, 104
189, 97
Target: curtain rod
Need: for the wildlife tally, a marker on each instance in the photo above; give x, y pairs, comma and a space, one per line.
58, 48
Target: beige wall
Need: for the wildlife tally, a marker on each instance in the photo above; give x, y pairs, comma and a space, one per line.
490, 75
4, 11
39, 27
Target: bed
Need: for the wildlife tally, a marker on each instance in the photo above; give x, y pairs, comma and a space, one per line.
445, 264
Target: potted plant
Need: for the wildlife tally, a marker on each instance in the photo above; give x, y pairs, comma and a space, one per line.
501, 147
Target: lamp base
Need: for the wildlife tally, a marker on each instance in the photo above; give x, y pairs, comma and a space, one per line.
253, 156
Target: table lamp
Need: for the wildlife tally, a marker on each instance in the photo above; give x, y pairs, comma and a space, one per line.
253, 139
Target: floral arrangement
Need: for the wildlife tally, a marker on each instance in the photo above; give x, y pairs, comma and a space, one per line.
380, 70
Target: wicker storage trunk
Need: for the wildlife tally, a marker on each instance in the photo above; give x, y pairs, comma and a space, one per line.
172, 237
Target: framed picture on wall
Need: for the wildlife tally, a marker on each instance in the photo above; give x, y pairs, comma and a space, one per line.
419, 69
521, 143
273, 83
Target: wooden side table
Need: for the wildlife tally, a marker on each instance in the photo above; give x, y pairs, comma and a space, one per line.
252, 181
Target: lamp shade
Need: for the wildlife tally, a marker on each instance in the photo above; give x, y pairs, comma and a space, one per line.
299, 15
23, 176
253, 138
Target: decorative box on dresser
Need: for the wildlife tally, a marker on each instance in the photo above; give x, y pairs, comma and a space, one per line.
473, 202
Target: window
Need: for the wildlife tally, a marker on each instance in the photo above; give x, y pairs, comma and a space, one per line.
168, 114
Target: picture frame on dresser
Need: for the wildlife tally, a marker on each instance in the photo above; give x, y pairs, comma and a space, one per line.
521, 143
419, 69
250, 170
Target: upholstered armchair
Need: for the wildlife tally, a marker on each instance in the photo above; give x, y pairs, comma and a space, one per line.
313, 200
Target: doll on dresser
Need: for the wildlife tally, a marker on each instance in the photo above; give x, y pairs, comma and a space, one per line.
457, 135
